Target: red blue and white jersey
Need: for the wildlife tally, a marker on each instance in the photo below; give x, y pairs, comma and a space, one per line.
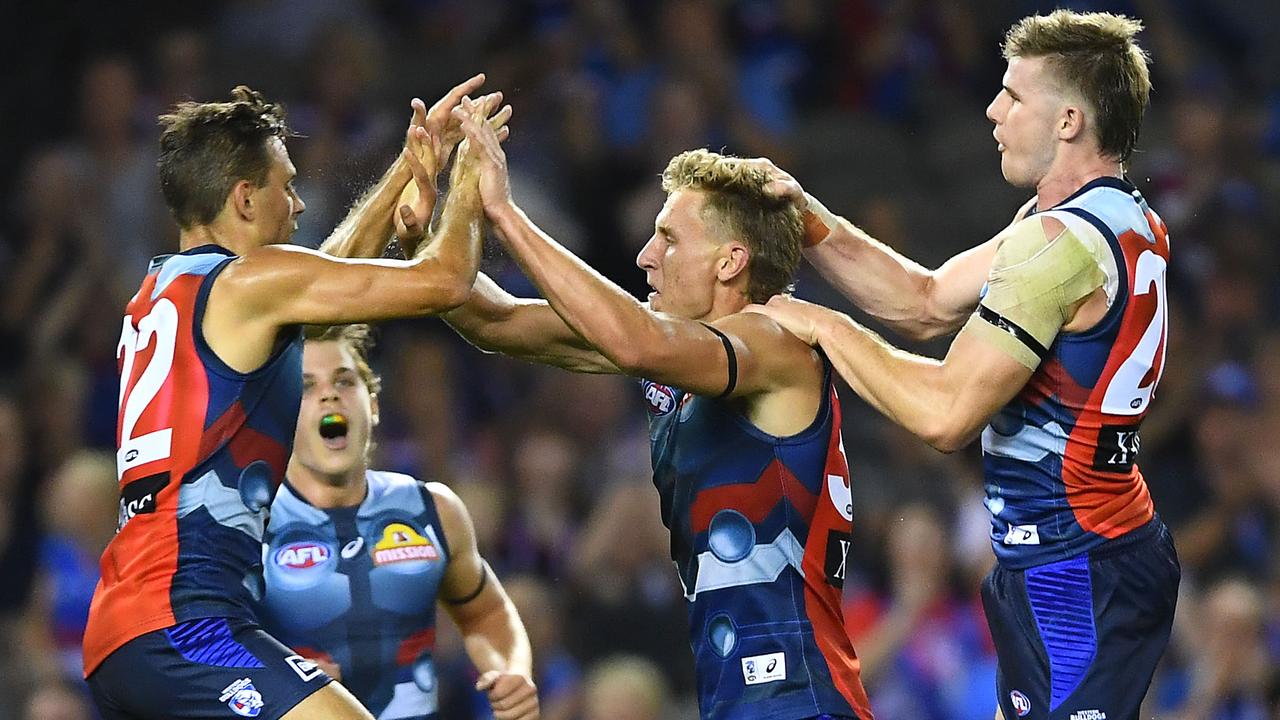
202, 449
357, 586
760, 531
1060, 459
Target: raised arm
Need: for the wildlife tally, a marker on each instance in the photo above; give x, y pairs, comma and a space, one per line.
358, 235
494, 637
632, 337
280, 285
913, 300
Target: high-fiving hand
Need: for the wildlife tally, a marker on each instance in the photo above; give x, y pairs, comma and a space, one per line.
431, 137
486, 143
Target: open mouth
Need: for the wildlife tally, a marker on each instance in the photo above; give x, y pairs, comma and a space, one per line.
333, 431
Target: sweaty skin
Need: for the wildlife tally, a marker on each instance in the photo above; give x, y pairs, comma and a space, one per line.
1035, 283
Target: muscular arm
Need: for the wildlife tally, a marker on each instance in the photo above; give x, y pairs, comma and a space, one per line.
644, 343
280, 285
1038, 286
946, 403
494, 637
916, 302
495, 321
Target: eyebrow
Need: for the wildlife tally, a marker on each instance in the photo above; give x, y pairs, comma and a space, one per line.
666, 230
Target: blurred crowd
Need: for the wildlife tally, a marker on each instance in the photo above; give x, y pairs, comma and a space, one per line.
875, 105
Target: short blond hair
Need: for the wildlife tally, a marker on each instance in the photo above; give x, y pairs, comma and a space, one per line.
771, 227
1095, 54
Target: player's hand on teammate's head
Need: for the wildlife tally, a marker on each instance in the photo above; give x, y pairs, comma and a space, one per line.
486, 151
797, 317
781, 184
512, 696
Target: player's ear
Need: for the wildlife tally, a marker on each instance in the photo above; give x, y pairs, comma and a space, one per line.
733, 261
241, 199
373, 410
1071, 123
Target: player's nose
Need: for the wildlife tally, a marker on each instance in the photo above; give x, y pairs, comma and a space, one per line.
646, 259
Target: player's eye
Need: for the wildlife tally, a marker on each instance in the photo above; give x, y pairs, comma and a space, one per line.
345, 382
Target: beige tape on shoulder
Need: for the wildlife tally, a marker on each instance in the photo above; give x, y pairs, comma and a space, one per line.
1035, 281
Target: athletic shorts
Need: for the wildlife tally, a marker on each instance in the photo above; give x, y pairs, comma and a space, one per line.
1079, 639
206, 668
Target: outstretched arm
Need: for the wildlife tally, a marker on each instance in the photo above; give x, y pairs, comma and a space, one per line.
945, 403
494, 637
280, 285
1037, 287
495, 321
913, 300
632, 337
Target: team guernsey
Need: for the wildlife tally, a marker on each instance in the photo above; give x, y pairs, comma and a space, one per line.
202, 449
1081, 602
357, 586
1061, 459
760, 530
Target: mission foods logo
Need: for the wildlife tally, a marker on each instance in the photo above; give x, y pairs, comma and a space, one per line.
401, 543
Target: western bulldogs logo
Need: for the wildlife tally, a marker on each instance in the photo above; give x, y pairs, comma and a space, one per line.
243, 698
1021, 704
660, 398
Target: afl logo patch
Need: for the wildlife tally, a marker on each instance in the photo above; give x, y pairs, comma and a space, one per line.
1021, 704
300, 555
660, 398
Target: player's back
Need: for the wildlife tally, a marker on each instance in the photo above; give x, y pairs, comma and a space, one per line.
357, 587
202, 448
1060, 458
760, 530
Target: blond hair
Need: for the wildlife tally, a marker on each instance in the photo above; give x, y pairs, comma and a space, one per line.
1096, 55
770, 227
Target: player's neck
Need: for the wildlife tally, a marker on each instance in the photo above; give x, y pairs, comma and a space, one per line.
325, 491
1060, 183
727, 301
199, 235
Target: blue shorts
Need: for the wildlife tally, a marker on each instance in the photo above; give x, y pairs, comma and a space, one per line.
1079, 639
206, 668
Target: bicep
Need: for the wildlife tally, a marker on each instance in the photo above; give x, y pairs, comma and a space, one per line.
290, 285
955, 287
983, 377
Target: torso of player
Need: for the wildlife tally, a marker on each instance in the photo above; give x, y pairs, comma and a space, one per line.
202, 449
1061, 458
760, 530
357, 586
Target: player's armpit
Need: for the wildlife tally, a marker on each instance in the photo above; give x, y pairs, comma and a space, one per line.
1035, 283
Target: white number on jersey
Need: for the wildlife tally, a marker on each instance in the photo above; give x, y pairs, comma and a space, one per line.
1125, 395
162, 325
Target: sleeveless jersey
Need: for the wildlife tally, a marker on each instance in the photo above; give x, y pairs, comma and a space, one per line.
357, 586
760, 530
1060, 459
202, 448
